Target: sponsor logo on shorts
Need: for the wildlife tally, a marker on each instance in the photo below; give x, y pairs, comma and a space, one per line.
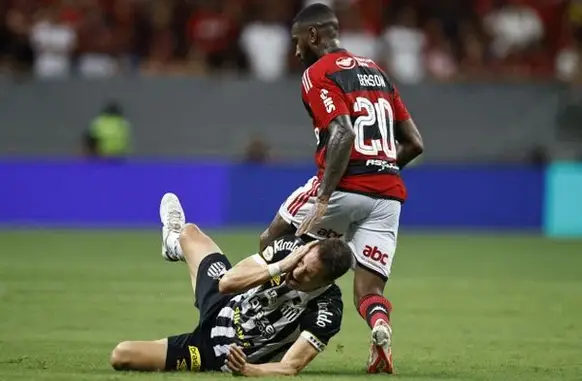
195, 360
216, 270
328, 233
181, 365
375, 254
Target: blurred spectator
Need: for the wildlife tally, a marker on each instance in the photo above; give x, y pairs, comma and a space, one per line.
97, 42
440, 55
109, 134
53, 42
213, 30
257, 151
405, 44
515, 26
568, 61
19, 20
355, 37
266, 41
473, 63
415, 39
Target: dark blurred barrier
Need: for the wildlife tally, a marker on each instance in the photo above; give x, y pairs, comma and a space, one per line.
201, 117
81, 194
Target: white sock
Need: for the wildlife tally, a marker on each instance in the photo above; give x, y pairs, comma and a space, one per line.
173, 244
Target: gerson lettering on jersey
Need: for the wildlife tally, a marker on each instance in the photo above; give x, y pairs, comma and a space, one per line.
371, 80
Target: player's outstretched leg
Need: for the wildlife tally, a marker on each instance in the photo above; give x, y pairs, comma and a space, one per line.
196, 246
173, 221
375, 309
146, 356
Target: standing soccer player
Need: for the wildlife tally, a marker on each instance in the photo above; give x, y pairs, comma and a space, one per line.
365, 136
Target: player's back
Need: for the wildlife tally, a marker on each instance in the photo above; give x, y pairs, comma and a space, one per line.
348, 84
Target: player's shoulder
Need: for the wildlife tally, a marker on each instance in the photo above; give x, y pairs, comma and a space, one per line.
332, 296
345, 68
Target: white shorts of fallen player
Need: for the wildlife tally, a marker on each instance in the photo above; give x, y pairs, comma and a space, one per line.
369, 225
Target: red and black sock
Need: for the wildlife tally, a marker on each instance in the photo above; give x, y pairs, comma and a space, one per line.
375, 307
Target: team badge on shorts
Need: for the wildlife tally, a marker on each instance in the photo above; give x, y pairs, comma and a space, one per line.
216, 270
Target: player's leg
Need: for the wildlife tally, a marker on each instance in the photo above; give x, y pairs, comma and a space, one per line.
333, 224
206, 263
140, 355
176, 353
278, 228
374, 244
181, 241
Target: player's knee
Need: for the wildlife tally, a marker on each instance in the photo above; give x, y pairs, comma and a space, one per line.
122, 356
191, 232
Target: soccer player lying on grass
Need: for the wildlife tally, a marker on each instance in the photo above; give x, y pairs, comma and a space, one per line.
271, 314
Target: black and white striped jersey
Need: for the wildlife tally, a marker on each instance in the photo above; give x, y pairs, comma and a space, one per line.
266, 320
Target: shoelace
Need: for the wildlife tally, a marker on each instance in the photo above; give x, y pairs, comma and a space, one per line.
175, 220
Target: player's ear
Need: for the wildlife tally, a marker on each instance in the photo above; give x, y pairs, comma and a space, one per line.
312, 35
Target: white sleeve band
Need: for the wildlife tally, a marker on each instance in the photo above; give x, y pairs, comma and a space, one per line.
274, 269
313, 340
259, 259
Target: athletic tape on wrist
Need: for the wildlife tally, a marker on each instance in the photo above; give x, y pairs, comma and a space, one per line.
274, 269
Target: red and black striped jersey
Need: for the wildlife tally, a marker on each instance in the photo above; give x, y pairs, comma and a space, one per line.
340, 83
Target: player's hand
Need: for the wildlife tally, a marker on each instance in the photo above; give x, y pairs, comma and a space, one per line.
288, 263
236, 360
313, 218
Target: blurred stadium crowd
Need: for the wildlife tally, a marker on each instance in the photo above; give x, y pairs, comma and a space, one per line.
415, 40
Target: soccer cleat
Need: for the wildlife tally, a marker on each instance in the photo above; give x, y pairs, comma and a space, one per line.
173, 220
380, 359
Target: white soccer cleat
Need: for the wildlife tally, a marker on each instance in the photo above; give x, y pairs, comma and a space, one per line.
380, 359
173, 220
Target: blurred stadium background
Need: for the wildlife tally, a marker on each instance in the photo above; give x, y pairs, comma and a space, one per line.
106, 105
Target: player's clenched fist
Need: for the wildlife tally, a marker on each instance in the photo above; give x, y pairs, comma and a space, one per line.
236, 360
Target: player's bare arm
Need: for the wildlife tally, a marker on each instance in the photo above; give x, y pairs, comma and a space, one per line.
254, 271
410, 144
338, 150
295, 360
337, 154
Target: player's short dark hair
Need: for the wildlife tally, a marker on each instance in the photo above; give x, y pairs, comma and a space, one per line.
336, 257
316, 14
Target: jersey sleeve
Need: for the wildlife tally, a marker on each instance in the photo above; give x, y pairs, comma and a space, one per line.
325, 99
279, 249
322, 320
400, 111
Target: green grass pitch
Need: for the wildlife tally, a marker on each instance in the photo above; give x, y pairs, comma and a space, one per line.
467, 307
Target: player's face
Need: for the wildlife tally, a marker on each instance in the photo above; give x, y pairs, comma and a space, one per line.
304, 50
308, 275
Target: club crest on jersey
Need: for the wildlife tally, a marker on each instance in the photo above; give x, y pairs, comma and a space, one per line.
268, 254
346, 63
